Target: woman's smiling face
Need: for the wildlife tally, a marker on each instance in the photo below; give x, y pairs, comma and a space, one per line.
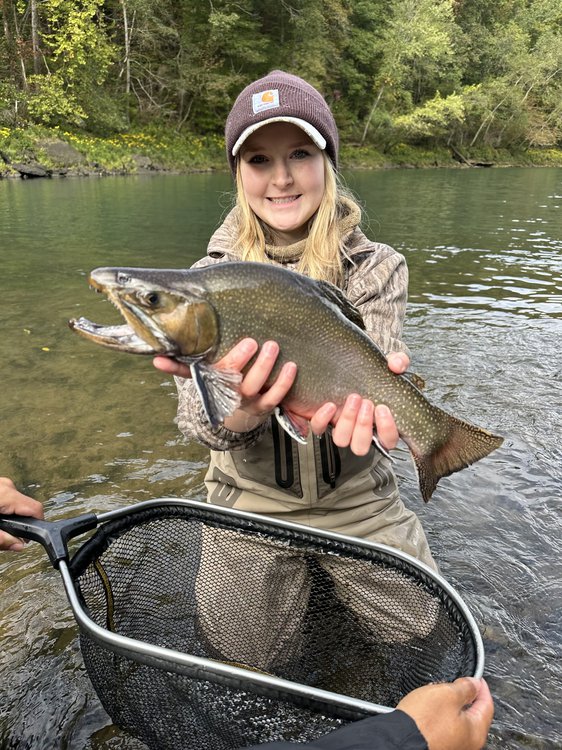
282, 174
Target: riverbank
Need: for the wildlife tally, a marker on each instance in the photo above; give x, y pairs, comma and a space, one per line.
41, 152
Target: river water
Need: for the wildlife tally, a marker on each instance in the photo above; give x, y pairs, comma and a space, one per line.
85, 429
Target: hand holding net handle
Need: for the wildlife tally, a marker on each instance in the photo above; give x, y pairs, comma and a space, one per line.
53, 535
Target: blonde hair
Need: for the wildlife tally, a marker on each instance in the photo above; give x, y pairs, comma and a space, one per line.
324, 246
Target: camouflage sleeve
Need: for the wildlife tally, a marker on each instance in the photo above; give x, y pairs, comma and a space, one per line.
377, 285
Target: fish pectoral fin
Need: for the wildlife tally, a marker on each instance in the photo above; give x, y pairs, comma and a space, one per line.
218, 391
297, 427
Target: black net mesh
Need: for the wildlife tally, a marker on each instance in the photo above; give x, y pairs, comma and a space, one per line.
329, 614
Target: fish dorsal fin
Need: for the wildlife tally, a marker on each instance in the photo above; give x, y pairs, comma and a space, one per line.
338, 298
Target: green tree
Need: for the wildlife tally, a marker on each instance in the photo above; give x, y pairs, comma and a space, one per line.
70, 55
415, 50
520, 86
184, 59
218, 42
451, 71
435, 120
306, 37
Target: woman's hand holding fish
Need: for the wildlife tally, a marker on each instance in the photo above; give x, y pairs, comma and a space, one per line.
13, 502
354, 424
257, 404
171, 366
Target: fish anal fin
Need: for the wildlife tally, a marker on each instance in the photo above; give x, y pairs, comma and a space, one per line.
297, 427
379, 446
463, 445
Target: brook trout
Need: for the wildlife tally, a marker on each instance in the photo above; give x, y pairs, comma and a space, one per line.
198, 315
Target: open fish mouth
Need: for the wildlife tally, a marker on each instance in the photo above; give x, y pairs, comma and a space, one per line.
120, 337
140, 335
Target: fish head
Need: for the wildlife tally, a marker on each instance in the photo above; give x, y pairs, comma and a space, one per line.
162, 316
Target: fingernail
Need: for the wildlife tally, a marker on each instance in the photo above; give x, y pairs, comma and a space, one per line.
248, 345
399, 362
382, 411
290, 368
366, 409
354, 400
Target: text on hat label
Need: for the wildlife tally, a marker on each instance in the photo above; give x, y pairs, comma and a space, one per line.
265, 100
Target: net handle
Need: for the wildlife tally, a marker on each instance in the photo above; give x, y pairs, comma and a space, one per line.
52, 535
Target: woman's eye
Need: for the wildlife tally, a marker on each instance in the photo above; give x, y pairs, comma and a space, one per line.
300, 153
258, 159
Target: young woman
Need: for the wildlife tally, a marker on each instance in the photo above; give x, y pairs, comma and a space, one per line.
282, 148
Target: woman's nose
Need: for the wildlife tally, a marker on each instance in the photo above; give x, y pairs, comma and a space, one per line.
282, 174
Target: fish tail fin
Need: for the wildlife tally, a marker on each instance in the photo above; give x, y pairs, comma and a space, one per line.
463, 445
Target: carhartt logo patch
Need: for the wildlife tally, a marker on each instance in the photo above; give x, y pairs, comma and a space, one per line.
265, 100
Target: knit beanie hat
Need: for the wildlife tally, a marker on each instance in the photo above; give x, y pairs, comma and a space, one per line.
281, 97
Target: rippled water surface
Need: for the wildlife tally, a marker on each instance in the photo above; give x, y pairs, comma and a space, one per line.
84, 429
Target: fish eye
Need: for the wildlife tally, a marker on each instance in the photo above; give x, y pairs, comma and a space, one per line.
152, 299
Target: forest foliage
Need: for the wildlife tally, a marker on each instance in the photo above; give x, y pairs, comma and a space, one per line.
430, 72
